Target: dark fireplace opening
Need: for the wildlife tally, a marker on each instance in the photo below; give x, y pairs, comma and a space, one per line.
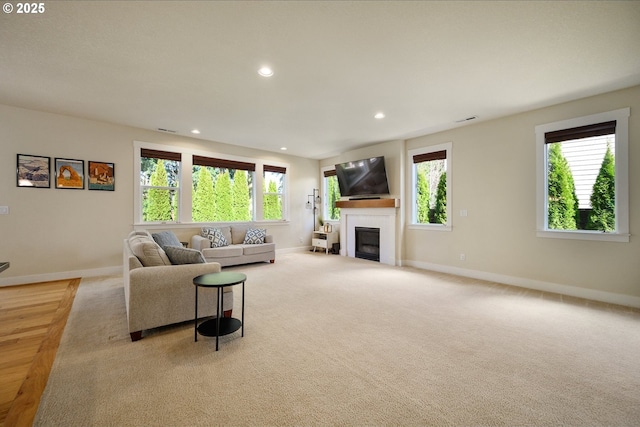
368, 243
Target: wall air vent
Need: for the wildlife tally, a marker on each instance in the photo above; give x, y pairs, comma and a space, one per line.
467, 119
167, 130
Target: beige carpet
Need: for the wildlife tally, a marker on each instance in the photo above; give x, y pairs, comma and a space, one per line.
338, 341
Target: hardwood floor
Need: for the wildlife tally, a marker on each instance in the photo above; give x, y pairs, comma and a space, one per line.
32, 319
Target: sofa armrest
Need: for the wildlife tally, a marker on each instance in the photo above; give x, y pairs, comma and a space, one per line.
200, 243
268, 239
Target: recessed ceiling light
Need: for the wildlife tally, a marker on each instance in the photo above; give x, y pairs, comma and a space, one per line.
265, 72
379, 116
283, 148
195, 132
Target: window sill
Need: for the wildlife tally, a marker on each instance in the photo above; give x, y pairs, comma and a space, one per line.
429, 227
584, 235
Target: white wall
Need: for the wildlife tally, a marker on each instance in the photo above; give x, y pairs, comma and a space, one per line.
53, 233
494, 179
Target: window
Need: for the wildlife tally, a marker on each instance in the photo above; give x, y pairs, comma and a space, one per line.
583, 178
222, 190
431, 175
273, 192
159, 185
331, 192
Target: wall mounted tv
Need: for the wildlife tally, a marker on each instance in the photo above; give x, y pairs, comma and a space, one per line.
363, 178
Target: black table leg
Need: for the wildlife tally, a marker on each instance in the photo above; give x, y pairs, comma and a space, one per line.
218, 305
195, 320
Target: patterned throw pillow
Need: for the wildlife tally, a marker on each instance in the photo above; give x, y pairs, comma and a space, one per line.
215, 236
255, 236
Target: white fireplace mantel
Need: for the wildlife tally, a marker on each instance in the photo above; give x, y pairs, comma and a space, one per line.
382, 218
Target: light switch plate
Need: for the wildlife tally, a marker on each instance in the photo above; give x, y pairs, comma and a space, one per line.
4, 210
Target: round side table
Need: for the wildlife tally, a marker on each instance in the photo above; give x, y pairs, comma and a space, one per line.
220, 325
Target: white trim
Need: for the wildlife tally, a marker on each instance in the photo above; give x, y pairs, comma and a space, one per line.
62, 275
621, 117
411, 213
574, 291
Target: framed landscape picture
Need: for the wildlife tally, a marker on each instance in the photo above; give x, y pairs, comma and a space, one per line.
69, 173
33, 171
101, 176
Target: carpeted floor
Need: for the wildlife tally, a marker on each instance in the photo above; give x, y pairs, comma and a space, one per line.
331, 340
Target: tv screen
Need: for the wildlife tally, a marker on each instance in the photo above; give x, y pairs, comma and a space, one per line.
366, 177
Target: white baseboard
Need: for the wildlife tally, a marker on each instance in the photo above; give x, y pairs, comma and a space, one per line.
574, 291
62, 275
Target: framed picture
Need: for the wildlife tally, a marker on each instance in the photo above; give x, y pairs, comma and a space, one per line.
33, 171
101, 176
69, 173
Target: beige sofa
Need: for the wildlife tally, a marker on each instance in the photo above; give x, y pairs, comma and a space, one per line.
158, 293
234, 249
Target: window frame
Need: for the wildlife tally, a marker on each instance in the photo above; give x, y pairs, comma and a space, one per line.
621, 117
185, 181
325, 193
276, 167
448, 148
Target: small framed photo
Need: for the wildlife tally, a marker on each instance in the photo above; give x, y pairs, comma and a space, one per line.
102, 176
33, 171
69, 174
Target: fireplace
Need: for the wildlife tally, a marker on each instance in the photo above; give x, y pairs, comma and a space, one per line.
367, 243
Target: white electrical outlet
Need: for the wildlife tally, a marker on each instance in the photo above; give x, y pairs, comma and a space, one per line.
463, 257
4, 210
463, 212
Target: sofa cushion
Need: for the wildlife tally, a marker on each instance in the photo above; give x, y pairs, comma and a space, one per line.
180, 255
166, 238
238, 233
255, 236
224, 252
147, 251
258, 249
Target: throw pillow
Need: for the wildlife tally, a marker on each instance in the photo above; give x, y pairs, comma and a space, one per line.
215, 236
180, 255
166, 238
148, 252
255, 236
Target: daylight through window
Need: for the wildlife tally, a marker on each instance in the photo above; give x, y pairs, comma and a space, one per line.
159, 179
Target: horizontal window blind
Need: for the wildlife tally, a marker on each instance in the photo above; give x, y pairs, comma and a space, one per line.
223, 163
426, 157
329, 173
158, 154
276, 169
598, 129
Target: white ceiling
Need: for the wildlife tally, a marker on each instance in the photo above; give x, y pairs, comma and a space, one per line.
183, 65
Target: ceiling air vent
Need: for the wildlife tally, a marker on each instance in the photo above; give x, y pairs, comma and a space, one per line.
167, 130
467, 119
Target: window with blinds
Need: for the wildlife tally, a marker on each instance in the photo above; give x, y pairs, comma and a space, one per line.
583, 177
222, 190
159, 185
430, 185
274, 191
331, 191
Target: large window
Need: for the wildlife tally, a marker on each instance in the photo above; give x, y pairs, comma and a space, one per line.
273, 192
331, 192
582, 177
431, 175
219, 188
159, 185
222, 190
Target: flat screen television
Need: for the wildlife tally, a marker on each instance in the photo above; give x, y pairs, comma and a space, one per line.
363, 178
